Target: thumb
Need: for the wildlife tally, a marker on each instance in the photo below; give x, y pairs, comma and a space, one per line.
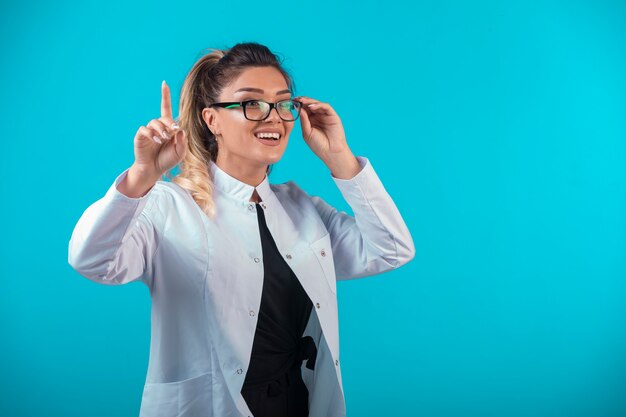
305, 125
180, 144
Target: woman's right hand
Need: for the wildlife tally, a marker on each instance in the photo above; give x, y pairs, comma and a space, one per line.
160, 145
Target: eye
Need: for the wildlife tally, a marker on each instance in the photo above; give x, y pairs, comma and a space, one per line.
255, 104
286, 105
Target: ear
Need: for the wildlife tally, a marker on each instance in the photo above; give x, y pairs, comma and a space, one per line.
209, 115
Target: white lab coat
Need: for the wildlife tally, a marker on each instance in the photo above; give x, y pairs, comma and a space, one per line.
206, 277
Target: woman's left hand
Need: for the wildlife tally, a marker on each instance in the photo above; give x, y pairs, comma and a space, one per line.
323, 133
321, 128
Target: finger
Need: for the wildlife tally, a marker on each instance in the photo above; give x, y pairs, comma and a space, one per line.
305, 99
171, 124
315, 105
147, 134
180, 144
161, 128
319, 107
308, 102
305, 125
166, 100
154, 135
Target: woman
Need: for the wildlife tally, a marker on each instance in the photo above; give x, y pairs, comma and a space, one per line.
242, 273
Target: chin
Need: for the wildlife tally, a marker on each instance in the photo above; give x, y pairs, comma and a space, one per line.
270, 161
273, 157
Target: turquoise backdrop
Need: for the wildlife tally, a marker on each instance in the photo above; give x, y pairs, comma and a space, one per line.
498, 127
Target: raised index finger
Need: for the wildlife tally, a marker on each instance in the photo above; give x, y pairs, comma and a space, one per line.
166, 101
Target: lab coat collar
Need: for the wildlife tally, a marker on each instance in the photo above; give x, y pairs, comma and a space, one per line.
237, 189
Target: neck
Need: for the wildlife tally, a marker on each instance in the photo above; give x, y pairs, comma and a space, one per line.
256, 198
246, 173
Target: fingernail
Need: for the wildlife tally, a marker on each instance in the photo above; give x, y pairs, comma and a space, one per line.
163, 82
157, 140
175, 125
165, 135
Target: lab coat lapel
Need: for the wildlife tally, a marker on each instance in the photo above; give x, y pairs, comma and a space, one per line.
304, 262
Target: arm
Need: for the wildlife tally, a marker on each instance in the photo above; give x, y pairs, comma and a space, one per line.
114, 239
376, 239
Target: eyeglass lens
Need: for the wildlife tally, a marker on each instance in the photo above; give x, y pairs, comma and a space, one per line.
259, 110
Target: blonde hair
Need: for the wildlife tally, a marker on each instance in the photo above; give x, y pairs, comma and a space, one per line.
202, 87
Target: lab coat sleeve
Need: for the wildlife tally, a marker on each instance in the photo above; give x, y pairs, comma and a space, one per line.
114, 239
375, 239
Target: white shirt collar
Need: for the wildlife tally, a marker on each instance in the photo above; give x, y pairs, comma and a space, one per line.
237, 189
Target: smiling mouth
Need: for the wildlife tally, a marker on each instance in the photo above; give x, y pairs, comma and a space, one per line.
269, 142
268, 136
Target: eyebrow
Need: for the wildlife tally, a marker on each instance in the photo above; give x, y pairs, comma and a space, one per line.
258, 90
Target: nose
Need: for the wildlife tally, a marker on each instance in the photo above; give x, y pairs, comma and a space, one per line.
273, 116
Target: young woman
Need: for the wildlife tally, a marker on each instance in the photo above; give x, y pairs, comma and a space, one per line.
242, 273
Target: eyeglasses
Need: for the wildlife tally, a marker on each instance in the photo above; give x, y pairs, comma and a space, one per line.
257, 110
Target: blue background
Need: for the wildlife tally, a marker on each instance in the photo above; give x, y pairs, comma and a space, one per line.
498, 128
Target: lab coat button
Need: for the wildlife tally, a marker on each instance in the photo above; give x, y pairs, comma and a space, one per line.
251, 313
257, 260
323, 252
288, 256
337, 362
239, 371
251, 207
263, 205
317, 305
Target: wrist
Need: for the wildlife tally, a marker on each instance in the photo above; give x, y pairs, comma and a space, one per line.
143, 174
138, 182
343, 165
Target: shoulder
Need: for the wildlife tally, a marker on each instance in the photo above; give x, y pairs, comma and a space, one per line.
295, 199
290, 190
171, 191
167, 198
301, 207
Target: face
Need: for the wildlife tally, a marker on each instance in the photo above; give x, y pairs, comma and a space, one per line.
240, 148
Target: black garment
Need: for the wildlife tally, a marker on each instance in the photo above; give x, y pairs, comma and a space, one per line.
273, 384
286, 396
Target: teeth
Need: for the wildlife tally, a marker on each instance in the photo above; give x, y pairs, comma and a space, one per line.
268, 135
